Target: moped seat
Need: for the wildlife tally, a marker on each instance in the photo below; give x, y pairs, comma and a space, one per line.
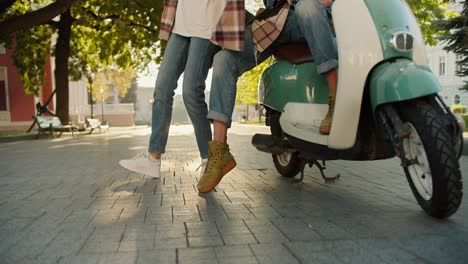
295, 53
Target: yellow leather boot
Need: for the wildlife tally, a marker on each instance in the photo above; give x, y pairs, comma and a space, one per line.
325, 126
220, 162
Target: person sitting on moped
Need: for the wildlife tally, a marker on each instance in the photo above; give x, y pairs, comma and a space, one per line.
303, 20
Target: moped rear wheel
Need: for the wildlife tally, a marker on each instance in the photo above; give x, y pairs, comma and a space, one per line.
287, 164
434, 172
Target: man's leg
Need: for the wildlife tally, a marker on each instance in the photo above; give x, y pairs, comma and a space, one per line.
172, 66
312, 21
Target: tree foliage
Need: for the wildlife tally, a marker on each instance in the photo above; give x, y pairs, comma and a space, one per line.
456, 39
91, 35
30, 57
111, 79
428, 12
247, 85
119, 33
131, 97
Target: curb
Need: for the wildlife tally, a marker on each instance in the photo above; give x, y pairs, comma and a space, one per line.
19, 138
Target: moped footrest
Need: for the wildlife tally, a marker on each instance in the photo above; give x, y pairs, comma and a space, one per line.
265, 143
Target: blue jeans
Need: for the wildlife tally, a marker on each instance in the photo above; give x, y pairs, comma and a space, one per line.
193, 57
307, 22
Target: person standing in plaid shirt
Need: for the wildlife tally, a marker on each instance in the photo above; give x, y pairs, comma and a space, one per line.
307, 21
193, 29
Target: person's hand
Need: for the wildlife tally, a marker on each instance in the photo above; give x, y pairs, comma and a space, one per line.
259, 11
326, 3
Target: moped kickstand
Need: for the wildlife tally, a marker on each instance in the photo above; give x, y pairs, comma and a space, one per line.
322, 167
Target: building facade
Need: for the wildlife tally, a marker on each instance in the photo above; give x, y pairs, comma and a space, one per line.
144, 104
443, 65
16, 107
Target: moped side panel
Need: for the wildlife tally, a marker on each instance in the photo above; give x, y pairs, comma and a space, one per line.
399, 81
287, 82
359, 50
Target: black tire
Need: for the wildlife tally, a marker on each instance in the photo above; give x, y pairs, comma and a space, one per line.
459, 141
287, 164
431, 128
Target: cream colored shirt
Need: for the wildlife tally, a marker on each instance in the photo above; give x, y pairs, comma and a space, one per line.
198, 18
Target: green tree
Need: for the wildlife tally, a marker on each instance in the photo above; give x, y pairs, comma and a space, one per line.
91, 35
247, 93
428, 12
120, 80
247, 85
131, 97
456, 39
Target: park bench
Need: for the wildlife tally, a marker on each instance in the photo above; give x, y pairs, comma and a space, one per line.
51, 124
96, 124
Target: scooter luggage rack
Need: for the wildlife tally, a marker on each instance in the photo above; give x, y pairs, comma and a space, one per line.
322, 167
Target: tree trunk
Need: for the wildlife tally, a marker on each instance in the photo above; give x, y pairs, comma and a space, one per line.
89, 91
62, 54
247, 112
91, 96
38, 17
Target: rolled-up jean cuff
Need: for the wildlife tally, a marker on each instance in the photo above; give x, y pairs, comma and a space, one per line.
156, 150
212, 115
327, 66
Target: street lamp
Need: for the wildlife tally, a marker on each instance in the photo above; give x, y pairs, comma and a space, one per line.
90, 75
101, 90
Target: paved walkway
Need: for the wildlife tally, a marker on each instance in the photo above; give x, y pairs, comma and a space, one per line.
67, 201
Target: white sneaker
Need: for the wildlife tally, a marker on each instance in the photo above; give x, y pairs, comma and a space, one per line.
202, 166
143, 163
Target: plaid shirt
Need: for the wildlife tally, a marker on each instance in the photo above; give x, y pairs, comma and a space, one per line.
266, 31
229, 32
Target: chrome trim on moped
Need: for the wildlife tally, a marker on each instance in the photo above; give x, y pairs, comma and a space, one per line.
402, 41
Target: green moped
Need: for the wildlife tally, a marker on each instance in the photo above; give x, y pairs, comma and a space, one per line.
387, 105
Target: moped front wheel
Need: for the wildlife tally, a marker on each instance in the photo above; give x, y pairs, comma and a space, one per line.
432, 169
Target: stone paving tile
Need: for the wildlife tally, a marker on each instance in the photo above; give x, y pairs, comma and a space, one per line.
89, 210
273, 253
196, 255
120, 258
162, 256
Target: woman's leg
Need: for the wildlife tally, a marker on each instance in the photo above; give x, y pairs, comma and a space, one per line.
228, 66
199, 59
171, 68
